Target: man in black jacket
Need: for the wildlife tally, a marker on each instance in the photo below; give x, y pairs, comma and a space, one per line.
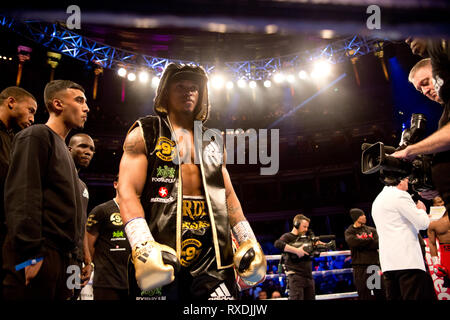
17, 110
363, 243
44, 210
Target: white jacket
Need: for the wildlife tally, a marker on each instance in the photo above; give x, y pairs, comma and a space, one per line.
398, 222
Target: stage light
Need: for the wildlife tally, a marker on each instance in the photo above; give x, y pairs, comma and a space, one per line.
217, 82
321, 69
122, 72
230, 85
241, 83
290, 78
143, 76
303, 75
155, 82
252, 84
267, 83
278, 77
131, 76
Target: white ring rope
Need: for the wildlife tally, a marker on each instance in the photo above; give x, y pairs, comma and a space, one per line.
315, 273
322, 254
342, 295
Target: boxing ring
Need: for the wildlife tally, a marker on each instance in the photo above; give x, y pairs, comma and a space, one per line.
333, 296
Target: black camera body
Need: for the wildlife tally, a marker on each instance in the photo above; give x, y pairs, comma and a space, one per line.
310, 246
375, 158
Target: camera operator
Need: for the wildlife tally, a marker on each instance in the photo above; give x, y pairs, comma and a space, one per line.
398, 220
431, 77
363, 243
298, 262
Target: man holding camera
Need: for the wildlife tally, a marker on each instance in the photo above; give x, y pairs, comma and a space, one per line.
398, 220
431, 77
297, 261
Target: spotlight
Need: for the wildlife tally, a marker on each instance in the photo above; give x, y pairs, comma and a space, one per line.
122, 72
252, 84
217, 82
131, 76
155, 82
302, 75
290, 78
322, 69
143, 76
278, 77
267, 83
241, 83
229, 85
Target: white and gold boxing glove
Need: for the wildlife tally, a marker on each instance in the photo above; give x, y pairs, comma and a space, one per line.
249, 260
155, 264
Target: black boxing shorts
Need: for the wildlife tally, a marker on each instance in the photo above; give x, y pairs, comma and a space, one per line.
198, 278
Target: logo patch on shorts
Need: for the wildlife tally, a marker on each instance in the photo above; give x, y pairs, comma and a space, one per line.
190, 250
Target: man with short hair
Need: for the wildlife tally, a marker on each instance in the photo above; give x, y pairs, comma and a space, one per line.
17, 110
363, 243
398, 220
431, 77
44, 210
82, 149
297, 262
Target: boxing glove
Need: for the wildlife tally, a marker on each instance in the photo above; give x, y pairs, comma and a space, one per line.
155, 264
249, 260
250, 263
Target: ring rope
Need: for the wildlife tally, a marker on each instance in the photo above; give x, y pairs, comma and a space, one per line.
322, 254
332, 296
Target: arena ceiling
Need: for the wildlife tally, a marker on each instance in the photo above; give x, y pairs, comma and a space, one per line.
236, 30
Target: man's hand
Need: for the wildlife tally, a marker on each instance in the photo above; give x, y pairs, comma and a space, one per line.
420, 205
300, 252
405, 154
86, 274
31, 271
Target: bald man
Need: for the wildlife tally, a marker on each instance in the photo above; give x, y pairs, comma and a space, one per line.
82, 149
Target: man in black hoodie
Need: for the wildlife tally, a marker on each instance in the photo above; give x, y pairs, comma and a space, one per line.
363, 243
